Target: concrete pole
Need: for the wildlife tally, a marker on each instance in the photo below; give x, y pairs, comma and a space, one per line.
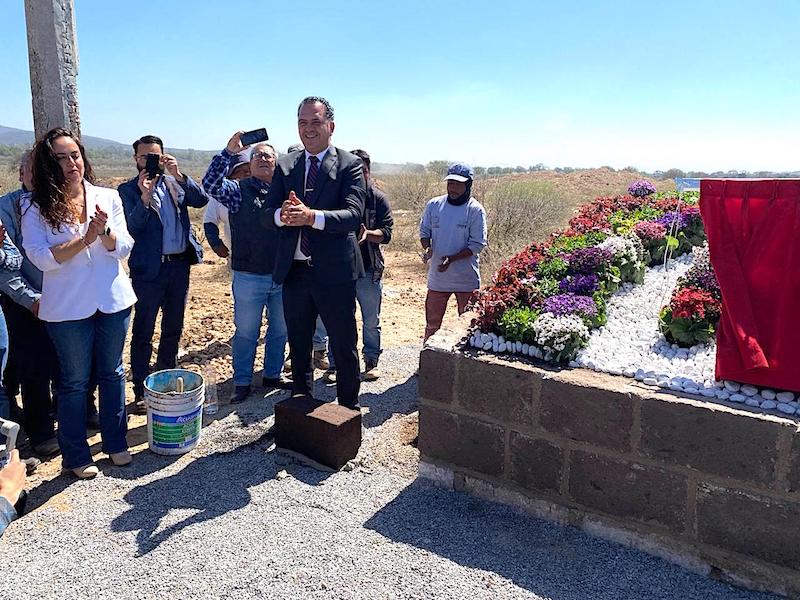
53, 60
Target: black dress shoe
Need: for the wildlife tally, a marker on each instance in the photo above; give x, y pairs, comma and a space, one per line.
278, 383
240, 394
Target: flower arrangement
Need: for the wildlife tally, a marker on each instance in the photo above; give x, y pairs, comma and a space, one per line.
560, 337
641, 188
692, 315
550, 295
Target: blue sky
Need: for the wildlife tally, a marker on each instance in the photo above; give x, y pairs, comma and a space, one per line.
695, 85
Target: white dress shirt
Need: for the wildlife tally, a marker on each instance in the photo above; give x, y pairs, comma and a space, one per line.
91, 280
319, 216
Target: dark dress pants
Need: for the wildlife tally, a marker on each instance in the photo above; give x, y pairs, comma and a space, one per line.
167, 292
303, 300
32, 365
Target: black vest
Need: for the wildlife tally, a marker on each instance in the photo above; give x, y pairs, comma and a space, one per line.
252, 245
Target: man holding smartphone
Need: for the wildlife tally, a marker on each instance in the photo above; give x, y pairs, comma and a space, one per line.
252, 261
156, 209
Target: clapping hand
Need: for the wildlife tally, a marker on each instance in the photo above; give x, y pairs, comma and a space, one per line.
97, 226
294, 213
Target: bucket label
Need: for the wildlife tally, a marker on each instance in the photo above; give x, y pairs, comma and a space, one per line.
176, 431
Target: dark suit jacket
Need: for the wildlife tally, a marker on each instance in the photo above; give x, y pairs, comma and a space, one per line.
340, 193
144, 225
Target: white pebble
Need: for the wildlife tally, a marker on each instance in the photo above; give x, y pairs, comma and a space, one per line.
752, 402
786, 408
767, 394
723, 394
525, 348
501, 347
487, 346
749, 390
769, 405
573, 364
732, 386
650, 381
785, 397
738, 398
495, 346
708, 392
517, 346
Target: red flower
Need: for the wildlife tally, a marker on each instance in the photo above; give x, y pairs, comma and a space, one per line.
694, 303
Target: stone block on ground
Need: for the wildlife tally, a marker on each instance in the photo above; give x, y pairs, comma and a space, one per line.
326, 433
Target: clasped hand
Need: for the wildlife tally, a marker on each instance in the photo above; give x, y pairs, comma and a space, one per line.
296, 214
97, 226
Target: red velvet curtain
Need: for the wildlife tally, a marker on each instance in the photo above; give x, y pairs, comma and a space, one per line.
753, 229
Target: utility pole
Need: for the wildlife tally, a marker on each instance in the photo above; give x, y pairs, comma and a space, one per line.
53, 60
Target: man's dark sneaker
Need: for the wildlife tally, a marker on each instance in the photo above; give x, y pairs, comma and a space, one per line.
329, 376
139, 406
240, 394
277, 383
31, 464
47, 448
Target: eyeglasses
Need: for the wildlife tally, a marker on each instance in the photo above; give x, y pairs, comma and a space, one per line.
262, 156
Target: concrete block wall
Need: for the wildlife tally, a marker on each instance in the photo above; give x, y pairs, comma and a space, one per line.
712, 487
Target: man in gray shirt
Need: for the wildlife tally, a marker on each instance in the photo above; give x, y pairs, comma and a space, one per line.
452, 233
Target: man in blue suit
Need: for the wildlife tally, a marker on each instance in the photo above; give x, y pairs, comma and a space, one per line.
317, 201
165, 247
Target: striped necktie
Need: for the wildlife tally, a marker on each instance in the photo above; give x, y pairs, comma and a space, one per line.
311, 180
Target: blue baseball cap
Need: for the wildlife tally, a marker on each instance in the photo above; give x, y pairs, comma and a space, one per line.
459, 171
237, 159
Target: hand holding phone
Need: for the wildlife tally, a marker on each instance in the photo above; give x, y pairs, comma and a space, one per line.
248, 138
153, 165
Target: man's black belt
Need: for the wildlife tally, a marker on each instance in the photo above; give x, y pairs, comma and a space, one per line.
303, 262
175, 257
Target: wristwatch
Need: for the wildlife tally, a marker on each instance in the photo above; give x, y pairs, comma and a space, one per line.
107, 231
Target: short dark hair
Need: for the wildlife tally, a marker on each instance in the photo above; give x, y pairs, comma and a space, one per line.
321, 100
148, 139
362, 154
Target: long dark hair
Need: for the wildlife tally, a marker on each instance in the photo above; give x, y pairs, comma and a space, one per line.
49, 183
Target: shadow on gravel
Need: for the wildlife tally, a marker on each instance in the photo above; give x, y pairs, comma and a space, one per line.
398, 399
552, 561
209, 486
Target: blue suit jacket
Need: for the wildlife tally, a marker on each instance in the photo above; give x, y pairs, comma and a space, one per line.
144, 225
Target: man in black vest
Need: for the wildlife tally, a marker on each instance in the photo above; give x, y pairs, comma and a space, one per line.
316, 201
252, 261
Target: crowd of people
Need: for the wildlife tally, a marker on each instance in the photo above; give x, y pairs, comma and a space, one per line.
302, 233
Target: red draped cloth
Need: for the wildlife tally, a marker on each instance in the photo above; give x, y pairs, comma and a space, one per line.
753, 229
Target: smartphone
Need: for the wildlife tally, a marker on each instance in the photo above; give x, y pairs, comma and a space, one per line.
253, 137
153, 165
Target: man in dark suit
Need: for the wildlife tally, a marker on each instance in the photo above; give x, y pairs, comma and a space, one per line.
165, 246
317, 196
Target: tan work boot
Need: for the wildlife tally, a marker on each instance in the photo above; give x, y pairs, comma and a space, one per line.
320, 360
371, 371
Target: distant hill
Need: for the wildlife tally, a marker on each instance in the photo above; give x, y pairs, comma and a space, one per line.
10, 136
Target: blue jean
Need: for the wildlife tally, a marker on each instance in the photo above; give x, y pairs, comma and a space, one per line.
102, 337
252, 293
368, 294
320, 339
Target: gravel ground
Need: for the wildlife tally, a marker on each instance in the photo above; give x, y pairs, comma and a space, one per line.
234, 519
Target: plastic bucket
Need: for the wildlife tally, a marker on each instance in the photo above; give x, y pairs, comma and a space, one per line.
174, 399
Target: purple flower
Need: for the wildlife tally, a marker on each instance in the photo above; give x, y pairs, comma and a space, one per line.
570, 304
589, 260
672, 220
641, 188
582, 285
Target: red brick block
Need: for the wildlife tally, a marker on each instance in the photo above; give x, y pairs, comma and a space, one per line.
327, 433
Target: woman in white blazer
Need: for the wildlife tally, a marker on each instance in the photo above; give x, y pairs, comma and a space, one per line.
75, 232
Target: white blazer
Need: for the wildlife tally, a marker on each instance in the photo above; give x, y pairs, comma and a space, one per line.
91, 280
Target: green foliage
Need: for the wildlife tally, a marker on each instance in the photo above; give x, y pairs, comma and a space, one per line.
684, 332
547, 287
553, 268
568, 243
516, 324
622, 222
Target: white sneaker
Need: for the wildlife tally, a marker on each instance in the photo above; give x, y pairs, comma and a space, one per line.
86, 471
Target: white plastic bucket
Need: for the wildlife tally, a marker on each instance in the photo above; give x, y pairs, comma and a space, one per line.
174, 399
